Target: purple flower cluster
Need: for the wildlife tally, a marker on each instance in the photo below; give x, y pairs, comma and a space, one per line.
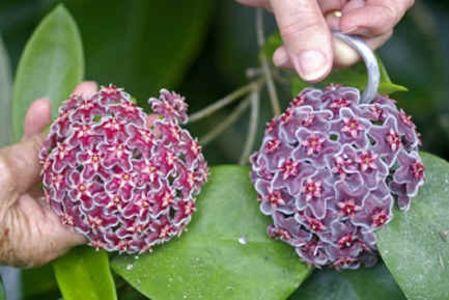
329, 170
125, 180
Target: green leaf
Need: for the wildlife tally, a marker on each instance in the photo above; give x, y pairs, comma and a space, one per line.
51, 65
273, 42
39, 283
225, 254
141, 45
415, 245
362, 284
2, 290
84, 273
5, 96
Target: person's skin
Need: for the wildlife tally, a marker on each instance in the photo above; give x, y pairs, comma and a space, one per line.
30, 233
305, 27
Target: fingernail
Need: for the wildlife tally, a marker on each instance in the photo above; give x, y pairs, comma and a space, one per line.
310, 64
280, 57
356, 30
350, 30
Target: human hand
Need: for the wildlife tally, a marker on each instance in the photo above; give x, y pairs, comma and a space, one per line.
305, 27
30, 233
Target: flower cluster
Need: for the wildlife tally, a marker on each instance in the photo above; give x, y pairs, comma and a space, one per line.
329, 171
125, 180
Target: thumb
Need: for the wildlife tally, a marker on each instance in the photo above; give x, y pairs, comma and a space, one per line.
21, 163
306, 36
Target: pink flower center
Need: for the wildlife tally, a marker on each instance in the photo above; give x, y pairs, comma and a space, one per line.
417, 170
394, 140
348, 207
346, 241
313, 144
275, 199
312, 189
339, 103
367, 160
379, 218
315, 225
289, 168
273, 145
352, 127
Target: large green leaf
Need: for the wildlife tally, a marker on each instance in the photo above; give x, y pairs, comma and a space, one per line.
142, 45
362, 284
39, 283
5, 97
415, 245
51, 65
225, 254
84, 273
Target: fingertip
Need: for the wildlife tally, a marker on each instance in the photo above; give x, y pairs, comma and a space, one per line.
312, 65
86, 88
344, 55
37, 117
280, 58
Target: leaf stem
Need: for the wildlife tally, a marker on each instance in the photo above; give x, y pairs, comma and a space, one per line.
252, 129
231, 119
265, 65
235, 95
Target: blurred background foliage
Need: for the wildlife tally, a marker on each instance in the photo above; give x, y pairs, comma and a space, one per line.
203, 49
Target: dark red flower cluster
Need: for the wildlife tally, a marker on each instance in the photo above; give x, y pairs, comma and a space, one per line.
125, 180
329, 170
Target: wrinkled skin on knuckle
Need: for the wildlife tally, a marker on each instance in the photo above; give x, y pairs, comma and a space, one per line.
302, 27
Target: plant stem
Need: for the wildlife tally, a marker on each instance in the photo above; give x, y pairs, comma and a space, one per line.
252, 128
240, 109
235, 95
265, 65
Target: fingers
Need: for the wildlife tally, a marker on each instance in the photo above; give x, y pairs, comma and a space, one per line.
344, 55
37, 118
376, 17
86, 88
306, 36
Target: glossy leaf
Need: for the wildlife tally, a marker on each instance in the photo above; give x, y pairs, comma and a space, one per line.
225, 254
84, 273
39, 283
142, 45
415, 245
5, 96
51, 65
362, 284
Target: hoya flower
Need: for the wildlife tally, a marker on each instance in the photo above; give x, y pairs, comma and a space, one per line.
125, 180
330, 170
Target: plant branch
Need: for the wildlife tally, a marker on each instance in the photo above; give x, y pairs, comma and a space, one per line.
265, 65
235, 95
252, 129
231, 119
